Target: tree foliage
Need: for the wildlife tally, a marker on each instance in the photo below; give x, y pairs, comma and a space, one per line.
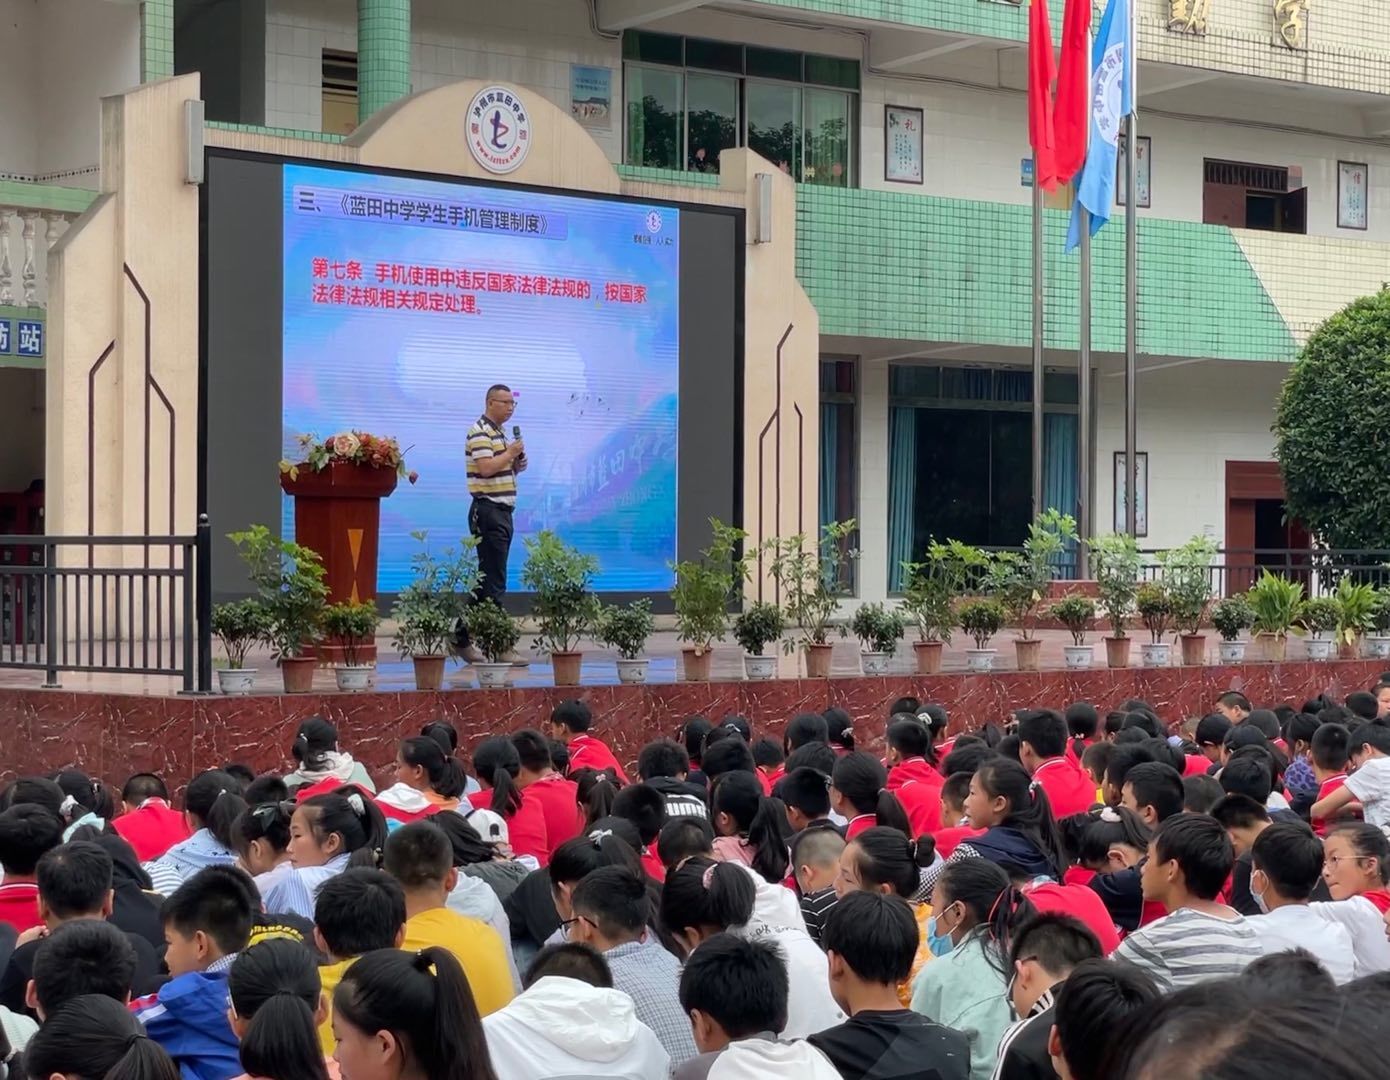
1330, 428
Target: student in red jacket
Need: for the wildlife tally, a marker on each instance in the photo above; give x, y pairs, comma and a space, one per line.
953, 792
498, 768
570, 722
1083, 721
1042, 736
27, 831
912, 776
147, 822
558, 797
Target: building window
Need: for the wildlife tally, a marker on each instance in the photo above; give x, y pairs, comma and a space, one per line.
339, 91
839, 445
1244, 196
689, 98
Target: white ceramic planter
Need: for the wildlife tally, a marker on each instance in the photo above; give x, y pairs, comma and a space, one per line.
632, 671
492, 676
1320, 648
875, 663
980, 659
1378, 647
353, 677
236, 680
759, 668
1231, 652
1156, 654
1078, 656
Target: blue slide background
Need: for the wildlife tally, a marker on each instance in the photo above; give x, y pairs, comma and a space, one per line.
595, 379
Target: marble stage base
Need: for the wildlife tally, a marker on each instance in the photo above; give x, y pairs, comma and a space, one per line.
111, 735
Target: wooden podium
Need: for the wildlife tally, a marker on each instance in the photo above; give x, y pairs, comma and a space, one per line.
337, 512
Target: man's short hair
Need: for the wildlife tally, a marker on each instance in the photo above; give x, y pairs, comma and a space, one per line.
967, 757
142, 786
532, 748
731, 754
497, 388
1124, 758
1248, 772
1044, 730
615, 899
1331, 747
954, 789
817, 847
1376, 736
85, 956
1201, 793
1363, 704
662, 757
1291, 857
1082, 719
1057, 942
1239, 812
418, 855
1289, 976
359, 911
738, 983
221, 901
1099, 1001
806, 728
684, 837
1157, 785
26, 832
875, 934
812, 755
808, 791
1202, 850
909, 737
767, 753
74, 879
1211, 730
570, 960
573, 714
1234, 699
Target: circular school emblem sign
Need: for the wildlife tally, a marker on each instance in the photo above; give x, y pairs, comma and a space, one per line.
499, 129
1105, 93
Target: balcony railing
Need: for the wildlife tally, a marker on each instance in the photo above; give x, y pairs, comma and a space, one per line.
32, 218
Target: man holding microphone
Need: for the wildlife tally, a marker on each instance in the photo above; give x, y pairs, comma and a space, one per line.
493, 466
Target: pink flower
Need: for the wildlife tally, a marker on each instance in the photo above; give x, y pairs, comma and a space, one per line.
346, 445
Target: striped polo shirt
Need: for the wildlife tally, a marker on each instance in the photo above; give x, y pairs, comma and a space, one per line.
1188, 947
485, 439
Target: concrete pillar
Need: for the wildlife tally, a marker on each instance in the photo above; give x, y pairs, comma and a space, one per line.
873, 480
383, 54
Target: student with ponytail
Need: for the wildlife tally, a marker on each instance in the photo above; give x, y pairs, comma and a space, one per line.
975, 910
839, 729
277, 1005
261, 837
912, 774
400, 1014
594, 792
322, 766
328, 834
703, 897
859, 793
428, 779
752, 828
499, 766
1020, 833
211, 804
85, 802
96, 1036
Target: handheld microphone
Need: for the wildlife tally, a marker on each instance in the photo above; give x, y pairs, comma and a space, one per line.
516, 434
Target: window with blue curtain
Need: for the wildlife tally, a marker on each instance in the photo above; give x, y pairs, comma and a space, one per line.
838, 447
902, 492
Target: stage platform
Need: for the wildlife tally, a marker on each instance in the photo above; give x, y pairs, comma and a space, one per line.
110, 733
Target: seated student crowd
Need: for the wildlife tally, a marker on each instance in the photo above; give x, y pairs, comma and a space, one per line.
941, 914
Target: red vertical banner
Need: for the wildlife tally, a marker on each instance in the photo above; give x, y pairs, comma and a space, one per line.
1070, 115
1042, 70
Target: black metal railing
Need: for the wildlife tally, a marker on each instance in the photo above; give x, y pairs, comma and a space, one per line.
135, 605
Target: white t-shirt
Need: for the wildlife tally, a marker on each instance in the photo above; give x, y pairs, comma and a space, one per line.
1371, 784
1366, 925
1297, 927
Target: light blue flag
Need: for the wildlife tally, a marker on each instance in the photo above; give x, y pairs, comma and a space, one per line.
1112, 98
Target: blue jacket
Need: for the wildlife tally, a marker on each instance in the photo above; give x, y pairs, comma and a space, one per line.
188, 1017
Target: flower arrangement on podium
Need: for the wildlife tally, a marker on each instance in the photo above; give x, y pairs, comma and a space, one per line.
349, 448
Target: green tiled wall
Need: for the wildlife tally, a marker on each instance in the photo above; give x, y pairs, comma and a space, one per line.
881, 264
383, 54
286, 133
667, 176
156, 39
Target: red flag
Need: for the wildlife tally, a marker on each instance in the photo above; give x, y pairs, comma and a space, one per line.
1042, 69
1071, 121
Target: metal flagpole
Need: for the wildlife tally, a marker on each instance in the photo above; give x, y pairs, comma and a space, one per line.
1038, 506
1083, 402
1131, 291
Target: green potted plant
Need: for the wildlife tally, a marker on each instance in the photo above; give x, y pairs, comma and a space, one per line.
626, 628
932, 588
1076, 613
495, 633
1187, 578
1115, 562
289, 583
1230, 616
1155, 609
981, 618
1318, 618
1378, 636
809, 574
878, 630
354, 625
1275, 601
1020, 581
757, 627
240, 626
563, 605
1358, 603
429, 610
703, 592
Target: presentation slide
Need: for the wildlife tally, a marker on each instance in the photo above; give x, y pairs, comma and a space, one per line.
405, 299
